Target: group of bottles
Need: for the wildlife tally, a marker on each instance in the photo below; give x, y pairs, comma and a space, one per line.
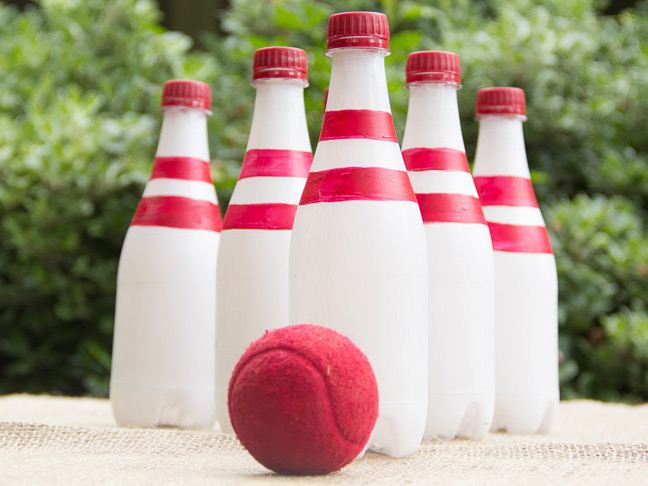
453, 300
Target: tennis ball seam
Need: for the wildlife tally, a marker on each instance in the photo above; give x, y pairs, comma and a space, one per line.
241, 365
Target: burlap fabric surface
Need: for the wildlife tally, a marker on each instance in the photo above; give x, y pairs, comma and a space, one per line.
73, 441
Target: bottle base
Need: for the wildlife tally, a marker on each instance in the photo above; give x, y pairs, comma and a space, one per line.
399, 429
134, 405
525, 414
465, 415
223, 420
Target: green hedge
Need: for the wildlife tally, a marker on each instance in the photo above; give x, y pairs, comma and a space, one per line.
79, 120
79, 97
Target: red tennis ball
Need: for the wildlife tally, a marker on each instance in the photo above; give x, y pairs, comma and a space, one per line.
303, 400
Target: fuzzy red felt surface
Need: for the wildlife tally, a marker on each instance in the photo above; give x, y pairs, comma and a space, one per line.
303, 400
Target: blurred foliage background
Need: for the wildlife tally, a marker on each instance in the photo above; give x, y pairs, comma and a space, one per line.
79, 99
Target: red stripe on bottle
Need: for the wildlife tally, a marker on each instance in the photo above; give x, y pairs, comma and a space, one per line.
177, 212
344, 124
506, 191
260, 216
357, 184
520, 239
185, 168
435, 159
450, 208
276, 163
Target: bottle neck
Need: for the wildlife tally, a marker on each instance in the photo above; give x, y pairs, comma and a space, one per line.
433, 117
500, 147
358, 81
279, 119
183, 133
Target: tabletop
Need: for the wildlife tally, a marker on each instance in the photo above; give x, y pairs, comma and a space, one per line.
62, 440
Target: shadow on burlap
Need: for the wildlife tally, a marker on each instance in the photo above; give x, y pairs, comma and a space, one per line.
47, 440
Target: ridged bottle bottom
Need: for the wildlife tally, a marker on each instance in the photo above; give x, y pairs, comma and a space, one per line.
525, 414
222, 413
398, 430
136, 405
465, 415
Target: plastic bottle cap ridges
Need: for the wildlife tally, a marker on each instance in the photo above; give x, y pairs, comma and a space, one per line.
433, 66
183, 92
500, 101
359, 30
280, 62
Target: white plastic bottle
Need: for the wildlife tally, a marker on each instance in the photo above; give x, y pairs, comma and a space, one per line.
252, 283
358, 260
163, 352
526, 284
460, 252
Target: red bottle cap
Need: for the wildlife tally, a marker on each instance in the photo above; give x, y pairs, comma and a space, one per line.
182, 92
358, 29
500, 101
280, 62
433, 67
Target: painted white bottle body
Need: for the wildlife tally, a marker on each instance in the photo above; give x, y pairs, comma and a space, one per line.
358, 262
163, 353
461, 273
252, 283
526, 284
